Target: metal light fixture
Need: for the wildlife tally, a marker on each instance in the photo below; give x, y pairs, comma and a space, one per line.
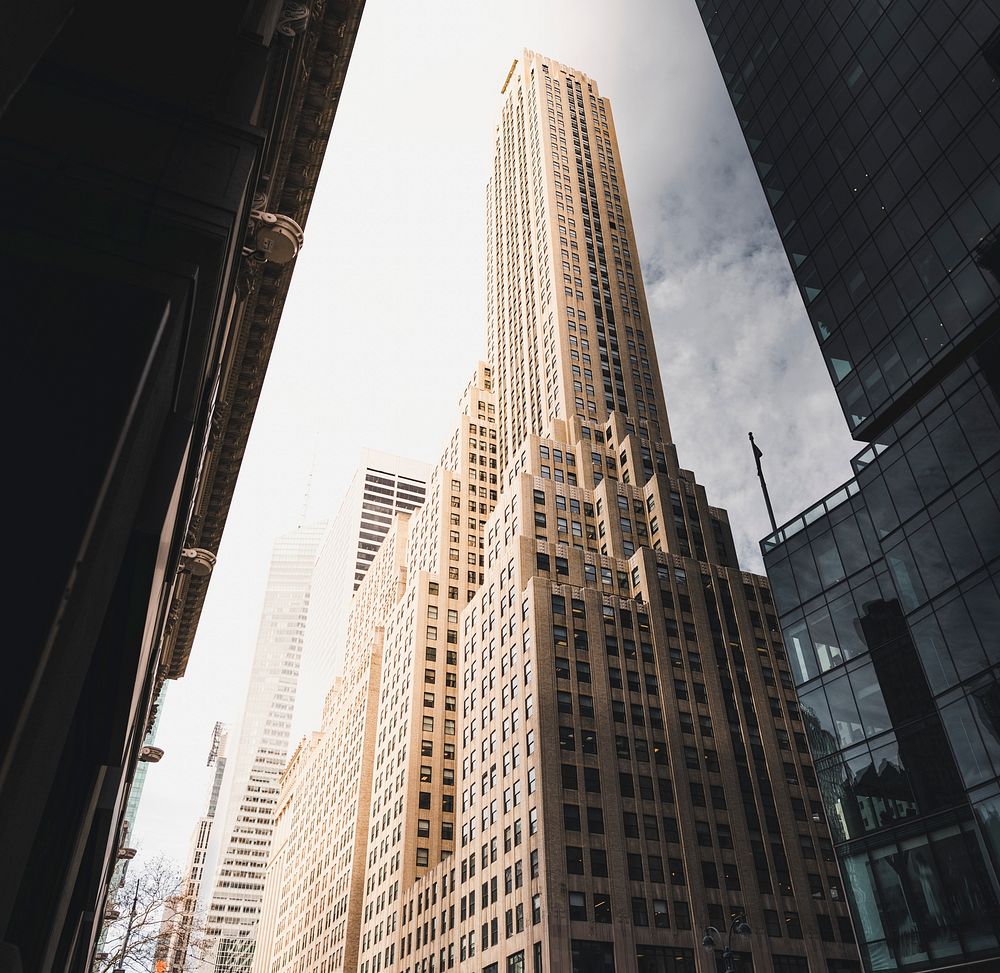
277, 238
151, 755
197, 561
713, 939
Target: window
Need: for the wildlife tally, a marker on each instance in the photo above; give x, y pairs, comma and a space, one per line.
670, 832
578, 906
789, 964
602, 907
661, 918
571, 817
640, 914
682, 914
595, 820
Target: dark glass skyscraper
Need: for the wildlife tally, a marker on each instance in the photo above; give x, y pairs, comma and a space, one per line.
875, 129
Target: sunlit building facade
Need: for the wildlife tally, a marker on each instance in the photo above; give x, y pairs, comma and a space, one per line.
875, 129
631, 765
390, 720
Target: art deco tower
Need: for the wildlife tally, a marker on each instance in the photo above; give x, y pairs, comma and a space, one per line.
632, 764
588, 748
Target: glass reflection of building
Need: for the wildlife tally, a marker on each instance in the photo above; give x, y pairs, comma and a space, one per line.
875, 129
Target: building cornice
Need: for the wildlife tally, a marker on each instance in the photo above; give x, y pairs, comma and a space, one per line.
317, 71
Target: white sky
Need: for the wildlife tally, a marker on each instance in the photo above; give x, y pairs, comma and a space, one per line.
384, 321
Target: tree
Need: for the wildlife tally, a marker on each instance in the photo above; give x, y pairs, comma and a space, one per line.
153, 924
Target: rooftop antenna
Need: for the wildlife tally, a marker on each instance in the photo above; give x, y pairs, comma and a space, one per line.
304, 518
757, 454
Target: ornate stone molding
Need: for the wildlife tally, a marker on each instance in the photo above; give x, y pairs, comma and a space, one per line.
294, 18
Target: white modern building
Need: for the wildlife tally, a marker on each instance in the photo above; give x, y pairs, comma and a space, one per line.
241, 835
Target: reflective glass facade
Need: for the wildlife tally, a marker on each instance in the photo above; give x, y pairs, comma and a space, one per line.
875, 129
888, 599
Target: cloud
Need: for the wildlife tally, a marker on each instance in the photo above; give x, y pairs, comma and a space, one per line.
735, 346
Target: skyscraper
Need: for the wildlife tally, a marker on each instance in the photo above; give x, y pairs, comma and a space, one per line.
875, 129
382, 486
629, 766
233, 875
587, 746
181, 913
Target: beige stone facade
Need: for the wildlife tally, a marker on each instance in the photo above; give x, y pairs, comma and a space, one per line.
389, 721
598, 752
313, 886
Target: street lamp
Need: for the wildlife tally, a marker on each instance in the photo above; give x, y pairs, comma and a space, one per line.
738, 926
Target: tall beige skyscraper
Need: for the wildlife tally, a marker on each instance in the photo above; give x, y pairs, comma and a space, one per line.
587, 747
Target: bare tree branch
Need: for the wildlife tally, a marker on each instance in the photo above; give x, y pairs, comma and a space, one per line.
156, 929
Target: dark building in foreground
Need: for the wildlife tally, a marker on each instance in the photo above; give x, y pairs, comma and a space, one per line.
157, 164
875, 129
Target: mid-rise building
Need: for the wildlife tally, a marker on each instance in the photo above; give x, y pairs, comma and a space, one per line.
382, 486
181, 919
875, 129
233, 877
587, 747
327, 879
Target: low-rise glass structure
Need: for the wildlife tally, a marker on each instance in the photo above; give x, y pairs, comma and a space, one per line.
888, 598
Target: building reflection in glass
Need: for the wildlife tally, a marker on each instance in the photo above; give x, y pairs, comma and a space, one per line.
884, 765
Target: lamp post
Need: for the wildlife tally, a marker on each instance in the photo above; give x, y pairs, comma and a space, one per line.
738, 926
123, 955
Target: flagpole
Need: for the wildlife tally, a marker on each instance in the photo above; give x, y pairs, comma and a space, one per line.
757, 454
